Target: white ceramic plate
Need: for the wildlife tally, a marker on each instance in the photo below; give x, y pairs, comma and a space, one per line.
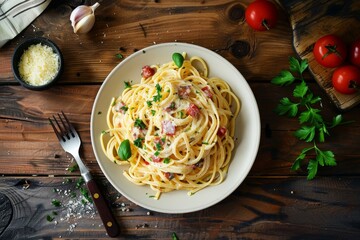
247, 129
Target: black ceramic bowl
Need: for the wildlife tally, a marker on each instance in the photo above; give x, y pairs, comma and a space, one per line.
19, 51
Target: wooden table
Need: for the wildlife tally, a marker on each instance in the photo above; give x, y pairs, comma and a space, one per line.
273, 202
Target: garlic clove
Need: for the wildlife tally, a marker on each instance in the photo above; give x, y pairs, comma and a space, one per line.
83, 18
78, 13
85, 24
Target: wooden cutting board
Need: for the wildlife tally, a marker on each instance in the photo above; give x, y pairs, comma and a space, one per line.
311, 20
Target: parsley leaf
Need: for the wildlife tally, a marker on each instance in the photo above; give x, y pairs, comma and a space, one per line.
306, 133
287, 107
312, 169
300, 90
284, 78
296, 66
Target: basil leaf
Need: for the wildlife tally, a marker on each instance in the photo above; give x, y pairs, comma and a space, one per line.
124, 151
178, 59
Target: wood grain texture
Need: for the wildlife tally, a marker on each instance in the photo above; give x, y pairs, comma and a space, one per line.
128, 26
311, 20
261, 208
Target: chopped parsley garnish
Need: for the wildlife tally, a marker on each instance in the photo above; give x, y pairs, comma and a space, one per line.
205, 143
149, 103
157, 153
139, 123
153, 112
157, 97
138, 142
158, 146
172, 106
124, 108
166, 160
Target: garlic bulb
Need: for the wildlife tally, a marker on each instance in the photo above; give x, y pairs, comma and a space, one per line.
83, 18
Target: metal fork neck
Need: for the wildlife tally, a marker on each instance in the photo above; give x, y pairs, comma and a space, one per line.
83, 169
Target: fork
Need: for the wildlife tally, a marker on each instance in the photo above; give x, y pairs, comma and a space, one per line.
71, 142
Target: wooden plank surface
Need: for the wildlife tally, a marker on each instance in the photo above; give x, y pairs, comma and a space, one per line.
219, 25
261, 208
272, 203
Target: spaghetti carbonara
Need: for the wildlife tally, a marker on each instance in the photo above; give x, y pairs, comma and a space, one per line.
174, 129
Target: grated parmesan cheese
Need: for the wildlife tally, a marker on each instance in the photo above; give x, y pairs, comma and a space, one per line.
38, 65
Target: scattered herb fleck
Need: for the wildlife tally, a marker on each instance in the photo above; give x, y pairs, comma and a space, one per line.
49, 218
73, 168
127, 85
56, 203
119, 56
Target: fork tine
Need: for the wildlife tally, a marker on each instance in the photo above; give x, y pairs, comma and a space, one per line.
71, 129
59, 136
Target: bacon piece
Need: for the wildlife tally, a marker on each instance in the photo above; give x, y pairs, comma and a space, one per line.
169, 175
221, 132
184, 91
207, 91
168, 127
193, 110
156, 158
147, 71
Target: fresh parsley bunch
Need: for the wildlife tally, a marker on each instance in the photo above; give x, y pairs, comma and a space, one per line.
313, 127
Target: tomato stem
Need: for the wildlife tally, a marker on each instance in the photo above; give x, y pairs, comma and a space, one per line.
353, 84
265, 24
331, 49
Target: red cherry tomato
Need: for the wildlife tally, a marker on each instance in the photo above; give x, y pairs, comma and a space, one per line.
261, 15
330, 51
355, 53
346, 79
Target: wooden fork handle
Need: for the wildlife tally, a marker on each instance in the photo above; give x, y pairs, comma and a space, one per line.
111, 226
